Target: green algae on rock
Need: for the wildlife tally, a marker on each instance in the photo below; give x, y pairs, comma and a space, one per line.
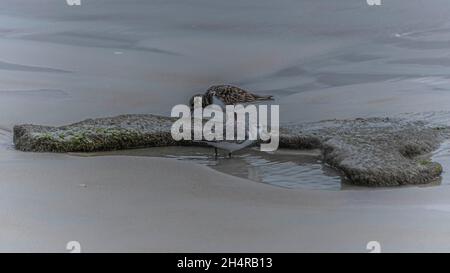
102, 134
368, 152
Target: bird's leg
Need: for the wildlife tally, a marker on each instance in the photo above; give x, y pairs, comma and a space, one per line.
215, 152
229, 155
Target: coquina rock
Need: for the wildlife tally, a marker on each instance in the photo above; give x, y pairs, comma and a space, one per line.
369, 152
101, 134
373, 151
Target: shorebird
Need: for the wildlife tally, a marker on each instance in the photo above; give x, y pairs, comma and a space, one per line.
223, 95
231, 146
227, 95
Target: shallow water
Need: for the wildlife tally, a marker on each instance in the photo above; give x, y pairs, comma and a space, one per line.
291, 169
320, 59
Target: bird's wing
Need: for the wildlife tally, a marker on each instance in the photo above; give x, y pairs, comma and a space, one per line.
230, 94
234, 95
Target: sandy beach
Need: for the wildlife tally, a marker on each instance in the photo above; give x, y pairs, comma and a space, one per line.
63, 198
321, 60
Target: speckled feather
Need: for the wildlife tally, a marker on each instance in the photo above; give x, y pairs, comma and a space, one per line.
229, 94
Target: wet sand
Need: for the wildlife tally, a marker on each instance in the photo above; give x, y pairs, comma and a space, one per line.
168, 205
61, 65
292, 169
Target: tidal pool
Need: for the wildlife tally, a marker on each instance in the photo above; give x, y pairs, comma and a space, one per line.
294, 169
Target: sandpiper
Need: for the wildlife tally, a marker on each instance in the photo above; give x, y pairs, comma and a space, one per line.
231, 146
227, 95
223, 95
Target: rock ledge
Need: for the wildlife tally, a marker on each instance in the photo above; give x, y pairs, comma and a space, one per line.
369, 152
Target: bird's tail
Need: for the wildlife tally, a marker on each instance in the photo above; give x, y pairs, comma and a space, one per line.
264, 97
